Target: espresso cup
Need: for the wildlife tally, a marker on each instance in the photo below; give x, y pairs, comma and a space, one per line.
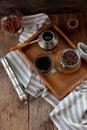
70, 58
43, 63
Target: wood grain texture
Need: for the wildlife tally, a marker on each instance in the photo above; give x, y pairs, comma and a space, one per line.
14, 115
12, 111
46, 6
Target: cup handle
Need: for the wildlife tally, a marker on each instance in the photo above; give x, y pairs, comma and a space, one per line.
60, 66
53, 70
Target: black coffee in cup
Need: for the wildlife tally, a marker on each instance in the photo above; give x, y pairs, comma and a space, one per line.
47, 36
43, 63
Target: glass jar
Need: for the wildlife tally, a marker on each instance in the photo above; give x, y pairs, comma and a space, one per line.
11, 22
71, 58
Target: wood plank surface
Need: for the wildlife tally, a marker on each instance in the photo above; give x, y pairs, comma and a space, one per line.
46, 6
14, 115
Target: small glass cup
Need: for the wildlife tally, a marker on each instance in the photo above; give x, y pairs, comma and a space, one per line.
43, 64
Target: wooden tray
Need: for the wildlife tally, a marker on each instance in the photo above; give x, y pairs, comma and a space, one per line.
60, 84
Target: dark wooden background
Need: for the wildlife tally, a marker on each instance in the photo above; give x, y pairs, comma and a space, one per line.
46, 6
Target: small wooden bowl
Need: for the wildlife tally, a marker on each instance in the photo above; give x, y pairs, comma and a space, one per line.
72, 24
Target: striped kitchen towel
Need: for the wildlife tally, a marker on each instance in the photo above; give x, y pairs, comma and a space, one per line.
31, 24
26, 76
71, 112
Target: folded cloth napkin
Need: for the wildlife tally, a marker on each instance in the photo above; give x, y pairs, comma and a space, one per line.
26, 76
32, 24
69, 113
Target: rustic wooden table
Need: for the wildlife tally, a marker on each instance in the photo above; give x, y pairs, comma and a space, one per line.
14, 115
